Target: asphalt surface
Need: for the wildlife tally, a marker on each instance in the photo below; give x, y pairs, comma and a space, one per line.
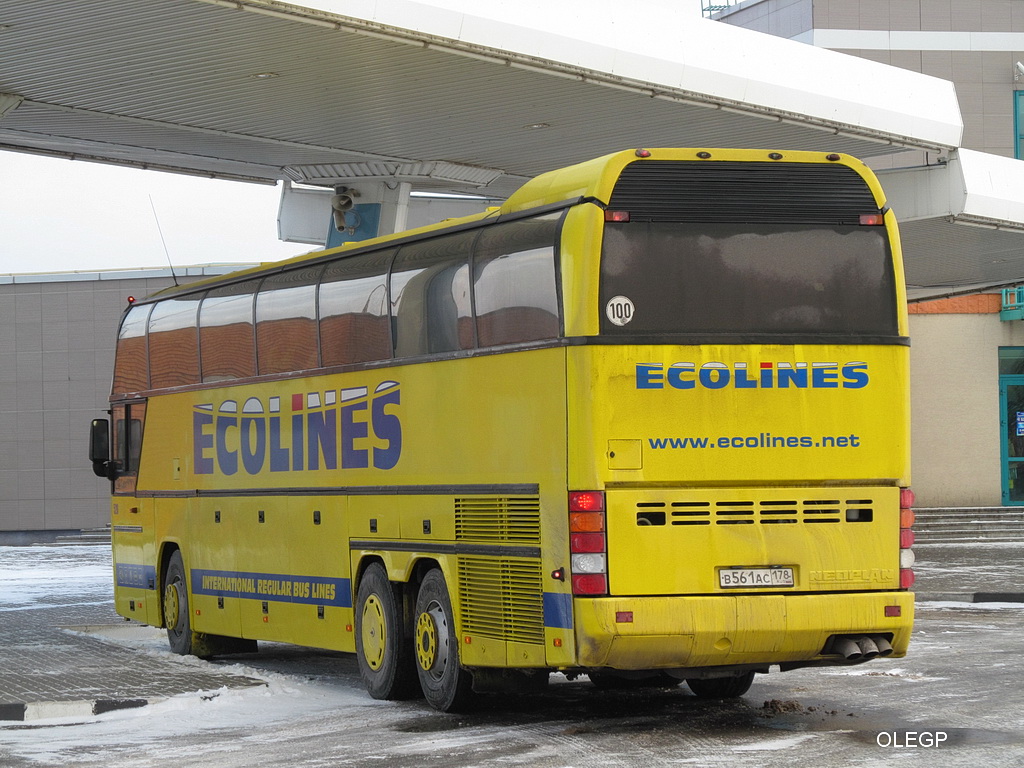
59, 656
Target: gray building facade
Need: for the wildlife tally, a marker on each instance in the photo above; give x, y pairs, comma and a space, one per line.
976, 44
57, 337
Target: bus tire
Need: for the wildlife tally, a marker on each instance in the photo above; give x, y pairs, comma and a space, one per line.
447, 686
383, 647
721, 687
175, 605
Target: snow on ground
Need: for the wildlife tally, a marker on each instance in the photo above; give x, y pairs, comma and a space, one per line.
46, 578
313, 711
34, 576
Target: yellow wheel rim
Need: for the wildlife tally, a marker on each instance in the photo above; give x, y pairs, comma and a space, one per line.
172, 607
426, 641
373, 633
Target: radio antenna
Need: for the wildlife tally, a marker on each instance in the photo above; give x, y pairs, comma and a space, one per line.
162, 241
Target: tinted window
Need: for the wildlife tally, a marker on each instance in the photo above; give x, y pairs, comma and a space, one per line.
1011, 360
430, 301
354, 310
734, 278
131, 372
286, 332
514, 281
226, 332
174, 342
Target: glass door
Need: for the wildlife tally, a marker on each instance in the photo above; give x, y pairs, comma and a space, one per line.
1011, 403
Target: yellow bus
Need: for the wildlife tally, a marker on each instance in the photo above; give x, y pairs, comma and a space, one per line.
647, 421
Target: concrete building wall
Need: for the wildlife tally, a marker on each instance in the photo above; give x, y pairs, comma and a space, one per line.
57, 337
955, 418
782, 18
973, 43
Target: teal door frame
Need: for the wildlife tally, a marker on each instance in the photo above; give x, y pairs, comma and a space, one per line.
1008, 429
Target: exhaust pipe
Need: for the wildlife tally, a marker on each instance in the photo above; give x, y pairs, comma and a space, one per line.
884, 648
846, 648
867, 647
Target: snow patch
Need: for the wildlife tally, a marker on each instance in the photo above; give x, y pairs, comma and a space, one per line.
775, 744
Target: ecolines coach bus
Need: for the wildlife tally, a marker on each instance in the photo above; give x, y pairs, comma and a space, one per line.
646, 421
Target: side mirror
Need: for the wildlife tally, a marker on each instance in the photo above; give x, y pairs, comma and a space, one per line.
99, 447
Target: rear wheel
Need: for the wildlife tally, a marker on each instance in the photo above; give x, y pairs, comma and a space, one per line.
721, 687
446, 685
382, 642
176, 615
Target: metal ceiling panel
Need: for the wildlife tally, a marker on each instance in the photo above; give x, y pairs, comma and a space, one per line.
214, 88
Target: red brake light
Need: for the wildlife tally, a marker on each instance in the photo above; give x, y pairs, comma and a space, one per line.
589, 584
586, 501
586, 542
872, 220
906, 537
620, 216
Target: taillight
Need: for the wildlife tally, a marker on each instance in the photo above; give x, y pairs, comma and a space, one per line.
588, 543
907, 557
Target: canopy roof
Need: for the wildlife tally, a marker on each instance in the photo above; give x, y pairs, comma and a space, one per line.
447, 98
458, 95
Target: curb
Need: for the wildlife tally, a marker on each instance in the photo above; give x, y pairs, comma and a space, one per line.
39, 710
971, 597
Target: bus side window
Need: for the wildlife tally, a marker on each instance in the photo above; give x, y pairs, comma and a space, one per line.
514, 282
131, 366
430, 296
353, 309
174, 343
286, 332
227, 346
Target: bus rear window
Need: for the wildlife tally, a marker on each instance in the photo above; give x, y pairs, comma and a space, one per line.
683, 278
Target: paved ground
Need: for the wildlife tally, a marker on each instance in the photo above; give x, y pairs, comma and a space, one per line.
50, 666
53, 664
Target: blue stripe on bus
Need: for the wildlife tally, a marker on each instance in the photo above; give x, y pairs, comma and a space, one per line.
558, 610
273, 587
135, 576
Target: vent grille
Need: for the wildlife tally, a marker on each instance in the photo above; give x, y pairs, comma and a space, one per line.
498, 520
756, 512
502, 598
758, 192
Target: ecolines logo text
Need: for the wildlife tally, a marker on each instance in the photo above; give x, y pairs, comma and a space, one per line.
714, 375
321, 430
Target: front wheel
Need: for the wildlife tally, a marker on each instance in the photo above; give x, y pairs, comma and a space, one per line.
176, 615
721, 687
446, 685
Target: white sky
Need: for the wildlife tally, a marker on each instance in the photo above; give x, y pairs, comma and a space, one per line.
61, 215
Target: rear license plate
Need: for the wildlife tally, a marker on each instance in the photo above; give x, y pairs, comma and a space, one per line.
772, 576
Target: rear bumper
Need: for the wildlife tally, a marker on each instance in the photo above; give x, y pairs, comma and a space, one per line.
633, 633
